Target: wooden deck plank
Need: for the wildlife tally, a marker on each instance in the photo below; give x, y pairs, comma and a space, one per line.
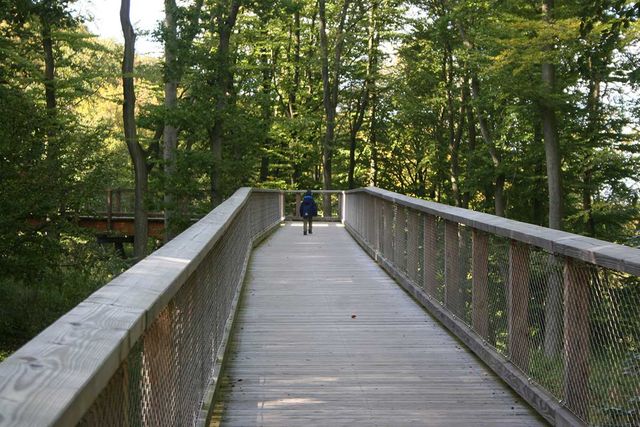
299, 358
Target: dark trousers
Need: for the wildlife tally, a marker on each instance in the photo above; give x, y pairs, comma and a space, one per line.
307, 221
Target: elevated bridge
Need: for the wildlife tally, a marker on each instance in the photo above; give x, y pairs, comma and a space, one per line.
405, 312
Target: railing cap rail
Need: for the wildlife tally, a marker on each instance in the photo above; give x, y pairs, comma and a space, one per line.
55, 377
599, 252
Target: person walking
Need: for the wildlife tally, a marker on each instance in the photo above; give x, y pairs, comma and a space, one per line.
308, 209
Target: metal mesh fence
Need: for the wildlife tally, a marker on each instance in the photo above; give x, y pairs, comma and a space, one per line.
571, 327
164, 379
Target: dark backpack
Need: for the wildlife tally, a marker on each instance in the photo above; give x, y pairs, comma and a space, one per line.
308, 207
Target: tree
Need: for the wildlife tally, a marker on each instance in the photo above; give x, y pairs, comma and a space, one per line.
176, 59
138, 156
222, 87
330, 89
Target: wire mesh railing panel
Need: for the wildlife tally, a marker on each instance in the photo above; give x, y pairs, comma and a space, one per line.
497, 281
439, 260
465, 285
164, 379
546, 314
614, 347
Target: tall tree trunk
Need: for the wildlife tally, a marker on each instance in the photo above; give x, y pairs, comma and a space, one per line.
471, 136
267, 113
130, 133
330, 86
293, 93
537, 199
170, 130
223, 85
52, 145
353, 134
174, 204
553, 303
50, 88
550, 135
369, 88
498, 194
453, 136
593, 130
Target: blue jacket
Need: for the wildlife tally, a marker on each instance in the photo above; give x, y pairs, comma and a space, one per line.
308, 207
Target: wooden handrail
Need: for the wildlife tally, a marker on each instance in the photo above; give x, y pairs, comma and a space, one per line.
598, 252
57, 376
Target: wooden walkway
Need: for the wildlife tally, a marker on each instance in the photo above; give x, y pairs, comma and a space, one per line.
324, 337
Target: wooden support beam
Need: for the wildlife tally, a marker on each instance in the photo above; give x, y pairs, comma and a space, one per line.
413, 243
377, 218
296, 212
518, 305
452, 294
576, 337
480, 285
387, 246
400, 238
430, 239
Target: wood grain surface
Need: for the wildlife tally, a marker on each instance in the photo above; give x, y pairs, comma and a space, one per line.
325, 337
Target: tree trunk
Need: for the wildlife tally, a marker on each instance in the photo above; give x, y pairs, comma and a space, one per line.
267, 114
174, 204
553, 303
293, 94
498, 194
550, 135
471, 136
593, 128
454, 136
353, 135
50, 88
170, 132
223, 85
369, 88
130, 133
330, 92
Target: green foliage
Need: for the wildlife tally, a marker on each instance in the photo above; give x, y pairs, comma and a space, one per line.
33, 301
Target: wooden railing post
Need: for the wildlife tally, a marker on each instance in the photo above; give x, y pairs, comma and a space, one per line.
400, 240
576, 337
430, 253
282, 205
340, 205
377, 206
517, 305
452, 297
480, 286
387, 227
413, 241
296, 212
118, 201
